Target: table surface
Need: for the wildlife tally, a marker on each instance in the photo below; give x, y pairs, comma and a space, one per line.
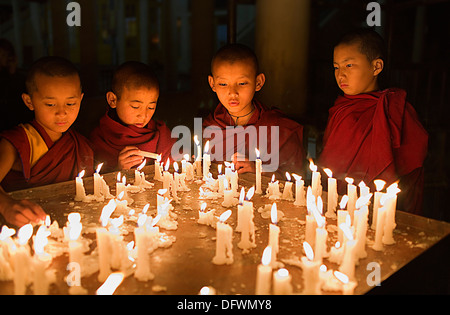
185, 267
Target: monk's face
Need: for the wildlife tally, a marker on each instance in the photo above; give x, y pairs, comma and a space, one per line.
354, 73
235, 85
56, 103
136, 106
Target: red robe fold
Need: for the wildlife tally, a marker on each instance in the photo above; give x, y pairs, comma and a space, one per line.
290, 141
377, 136
110, 137
64, 160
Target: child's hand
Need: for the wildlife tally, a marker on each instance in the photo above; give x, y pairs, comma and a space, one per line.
129, 158
245, 166
21, 212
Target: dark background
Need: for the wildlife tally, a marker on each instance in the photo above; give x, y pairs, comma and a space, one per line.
178, 37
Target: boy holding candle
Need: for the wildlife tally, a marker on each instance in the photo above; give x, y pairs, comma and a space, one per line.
373, 133
235, 78
45, 150
128, 127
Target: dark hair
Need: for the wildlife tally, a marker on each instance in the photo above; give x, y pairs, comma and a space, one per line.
133, 74
236, 52
371, 44
51, 66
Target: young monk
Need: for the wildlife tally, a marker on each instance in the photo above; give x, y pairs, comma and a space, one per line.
235, 78
45, 150
372, 133
128, 127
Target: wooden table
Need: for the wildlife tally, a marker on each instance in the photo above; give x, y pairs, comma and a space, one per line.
185, 267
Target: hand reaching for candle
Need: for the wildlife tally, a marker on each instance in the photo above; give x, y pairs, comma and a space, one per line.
243, 164
20, 212
129, 158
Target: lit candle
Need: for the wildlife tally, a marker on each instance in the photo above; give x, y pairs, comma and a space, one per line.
332, 198
143, 239
310, 268
104, 243
6, 246
348, 286
73, 231
363, 189
287, 191
361, 224
224, 245
349, 259
41, 261
220, 179
234, 179
240, 209
20, 256
352, 196
311, 225
207, 290
120, 185
320, 245
379, 185
300, 197
158, 173
248, 226
336, 253
206, 218
138, 176
206, 161
167, 178
282, 282
274, 234
391, 205
98, 182
341, 216
198, 160
264, 273
273, 190
379, 229
258, 172
79, 187
189, 168
315, 180
228, 193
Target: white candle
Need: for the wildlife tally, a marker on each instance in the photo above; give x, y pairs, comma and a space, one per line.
332, 198
391, 205
378, 243
206, 161
274, 234
379, 185
73, 231
336, 253
240, 209
352, 196
188, 168
282, 282
341, 217
349, 259
198, 159
316, 185
104, 253
287, 191
320, 243
224, 245
21, 260
258, 163
264, 273
120, 185
273, 190
363, 189
206, 218
228, 193
361, 222
139, 177
248, 226
220, 179
310, 268
41, 261
234, 179
143, 239
79, 187
167, 179
97, 182
300, 197
158, 173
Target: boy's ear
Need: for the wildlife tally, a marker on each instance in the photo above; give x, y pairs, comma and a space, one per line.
211, 83
260, 80
27, 100
111, 98
378, 65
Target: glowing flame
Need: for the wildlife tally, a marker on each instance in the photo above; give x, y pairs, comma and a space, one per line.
242, 196
25, 233
116, 222
141, 220
308, 251
206, 147
297, 177
346, 229
120, 197
207, 291
274, 214
379, 184
203, 207
162, 192
111, 284
312, 167
99, 167
140, 167
225, 184
118, 177
40, 240
320, 205
317, 216
186, 157
288, 177
267, 256
107, 211
250, 193
343, 202
219, 168
175, 166
6, 232
341, 277
225, 216
337, 245
362, 201
362, 184
47, 221
196, 140
349, 180
328, 172
74, 226
166, 166
145, 209
283, 273
273, 178
393, 189
323, 268
155, 220
158, 159
124, 180
257, 153
81, 174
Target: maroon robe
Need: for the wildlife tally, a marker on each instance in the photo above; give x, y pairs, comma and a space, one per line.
110, 137
65, 158
377, 136
290, 147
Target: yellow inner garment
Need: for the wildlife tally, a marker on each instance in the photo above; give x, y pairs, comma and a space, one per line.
38, 147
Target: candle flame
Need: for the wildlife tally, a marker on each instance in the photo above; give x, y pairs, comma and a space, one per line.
308, 251
145, 209
141, 220
288, 177
99, 167
242, 196
6, 232
323, 268
393, 189
267, 256
40, 240
196, 140
166, 166
175, 166
186, 157
219, 168
341, 277
250, 193
130, 245
362, 184
118, 177
362, 201
107, 211
47, 221
312, 166
346, 229
328, 172
257, 153
273, 178
111, 284
225, 216
207, 291
116, 222
349, 180
203, 207
297, 177
379, 184
155, 220
25, 233
274, 213
320, 205
337, 245
385, 198
162, 192
343, 202
124, 179
120, 197
225, 184
318, 217
283, 273
81, 174
140, 167
206, 147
